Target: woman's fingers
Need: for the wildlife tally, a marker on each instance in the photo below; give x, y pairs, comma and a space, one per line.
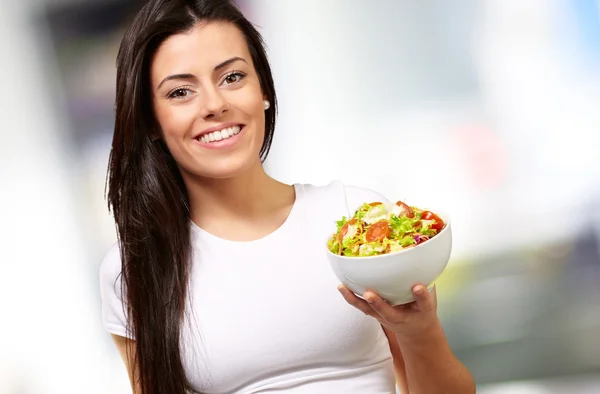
424, 299
356, 302
388, 313
395, 317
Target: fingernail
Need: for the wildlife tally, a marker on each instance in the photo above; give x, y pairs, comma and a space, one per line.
419, 290
340, 288
369, 299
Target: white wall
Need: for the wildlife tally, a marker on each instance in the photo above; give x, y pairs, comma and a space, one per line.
521, 148
51, 340
337, 119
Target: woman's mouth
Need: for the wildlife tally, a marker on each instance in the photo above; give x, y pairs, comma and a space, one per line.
220, 135
221, 138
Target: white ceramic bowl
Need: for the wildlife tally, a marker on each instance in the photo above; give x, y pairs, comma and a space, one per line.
393, 275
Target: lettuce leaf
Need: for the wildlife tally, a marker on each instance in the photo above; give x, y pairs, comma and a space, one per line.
403, 232
371, 249
340, 223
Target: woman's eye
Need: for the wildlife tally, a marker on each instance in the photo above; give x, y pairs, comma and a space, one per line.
233, 78
179, 93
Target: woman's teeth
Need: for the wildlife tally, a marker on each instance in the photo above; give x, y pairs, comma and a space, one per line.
220, 135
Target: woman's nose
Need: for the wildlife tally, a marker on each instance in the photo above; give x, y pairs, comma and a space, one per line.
214, 104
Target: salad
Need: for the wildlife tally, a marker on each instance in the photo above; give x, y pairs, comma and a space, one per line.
377, 228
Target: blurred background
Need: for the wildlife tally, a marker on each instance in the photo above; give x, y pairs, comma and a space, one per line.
489, 109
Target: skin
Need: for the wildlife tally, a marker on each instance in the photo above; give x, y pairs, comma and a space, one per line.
234, 190
420, 345
240, 202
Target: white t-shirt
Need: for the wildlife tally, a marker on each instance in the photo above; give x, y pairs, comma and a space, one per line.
266, 314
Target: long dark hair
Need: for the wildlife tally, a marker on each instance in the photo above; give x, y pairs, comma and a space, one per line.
147, 195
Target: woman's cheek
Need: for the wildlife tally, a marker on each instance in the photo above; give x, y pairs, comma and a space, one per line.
178, 122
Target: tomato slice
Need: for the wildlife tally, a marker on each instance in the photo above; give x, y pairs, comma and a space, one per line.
439, 223
344, 229
378, 231
406, 209
373, 204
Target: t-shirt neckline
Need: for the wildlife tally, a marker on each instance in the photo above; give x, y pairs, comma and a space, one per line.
197, 231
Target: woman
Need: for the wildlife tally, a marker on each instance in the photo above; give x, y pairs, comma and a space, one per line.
219, 282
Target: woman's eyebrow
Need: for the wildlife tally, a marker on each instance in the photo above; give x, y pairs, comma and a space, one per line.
229, 61
177, 76
193, 77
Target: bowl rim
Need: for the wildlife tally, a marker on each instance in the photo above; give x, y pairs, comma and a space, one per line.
443, 214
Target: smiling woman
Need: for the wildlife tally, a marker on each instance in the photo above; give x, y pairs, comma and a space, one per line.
212, 104
197, 292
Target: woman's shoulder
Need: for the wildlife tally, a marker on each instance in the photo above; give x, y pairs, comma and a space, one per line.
111, 262
111, 293
110, 269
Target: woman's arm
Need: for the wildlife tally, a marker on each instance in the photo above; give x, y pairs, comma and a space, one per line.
126, 348
430, 365
399, 367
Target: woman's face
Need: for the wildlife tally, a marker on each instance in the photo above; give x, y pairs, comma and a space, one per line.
208, 101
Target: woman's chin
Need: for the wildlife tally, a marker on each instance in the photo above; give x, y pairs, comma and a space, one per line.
227, 167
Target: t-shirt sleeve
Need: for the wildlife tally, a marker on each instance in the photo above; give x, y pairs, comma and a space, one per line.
113, 311
356, 196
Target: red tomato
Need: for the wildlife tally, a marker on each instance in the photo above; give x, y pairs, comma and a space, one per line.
343, 232
378, 231
407, 210
344, 229
439, 223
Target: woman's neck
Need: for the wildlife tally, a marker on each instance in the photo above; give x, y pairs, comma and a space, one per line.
252, 197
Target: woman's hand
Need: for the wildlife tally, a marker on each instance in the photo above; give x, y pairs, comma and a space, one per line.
428, 361
405, 320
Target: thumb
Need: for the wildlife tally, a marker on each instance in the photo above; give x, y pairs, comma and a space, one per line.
424, 299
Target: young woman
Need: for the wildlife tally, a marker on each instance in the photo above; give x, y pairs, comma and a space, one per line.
219, 282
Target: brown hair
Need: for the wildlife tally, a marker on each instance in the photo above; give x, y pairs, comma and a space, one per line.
146, 192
